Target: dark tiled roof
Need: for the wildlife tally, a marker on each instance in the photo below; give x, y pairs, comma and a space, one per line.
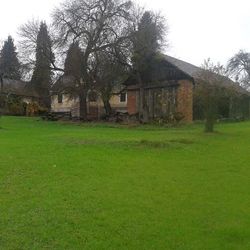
63, 83
161, 70
196, 72
18, 87
183, 69
68, 84
186, 67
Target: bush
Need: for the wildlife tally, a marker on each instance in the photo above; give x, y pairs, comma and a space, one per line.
34, 108
178, 117
15, 105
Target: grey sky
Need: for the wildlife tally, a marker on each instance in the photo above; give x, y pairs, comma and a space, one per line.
198, 28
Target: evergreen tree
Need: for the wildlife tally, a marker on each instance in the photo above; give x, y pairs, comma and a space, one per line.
147, 42
73, 62
41, 79
9, 63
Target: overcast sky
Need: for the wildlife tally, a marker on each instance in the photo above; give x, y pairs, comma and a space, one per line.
198, 28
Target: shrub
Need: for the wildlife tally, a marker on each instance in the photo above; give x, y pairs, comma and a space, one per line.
34, 108
14, 105
178, 117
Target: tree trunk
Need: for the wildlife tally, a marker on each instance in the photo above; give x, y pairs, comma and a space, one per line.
209, 125
142, 116
210, 118
83, 105
231, 112
47, 101
107, 107
1, 82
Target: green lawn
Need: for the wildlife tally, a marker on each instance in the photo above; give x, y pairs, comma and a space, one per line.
101, 187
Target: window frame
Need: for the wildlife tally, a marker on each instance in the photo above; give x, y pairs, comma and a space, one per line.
60, 98
123, 95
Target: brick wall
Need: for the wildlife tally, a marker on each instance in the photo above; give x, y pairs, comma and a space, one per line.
185, 100
132, 102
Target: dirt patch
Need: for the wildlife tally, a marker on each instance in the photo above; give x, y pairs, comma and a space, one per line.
131, 143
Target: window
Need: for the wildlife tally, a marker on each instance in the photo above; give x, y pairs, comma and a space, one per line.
92, 96
60, 98
123, 97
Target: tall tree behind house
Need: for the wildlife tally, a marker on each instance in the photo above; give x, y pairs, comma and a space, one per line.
73, 68
147, 41
73, 62
41, 78
9, 63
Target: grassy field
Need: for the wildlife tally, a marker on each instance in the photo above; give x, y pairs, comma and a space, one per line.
100, 187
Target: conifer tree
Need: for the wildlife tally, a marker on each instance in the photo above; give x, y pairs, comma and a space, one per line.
41, 79
147, 42
9, 63
73, 62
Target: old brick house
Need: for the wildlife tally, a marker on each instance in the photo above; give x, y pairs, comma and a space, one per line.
167, 91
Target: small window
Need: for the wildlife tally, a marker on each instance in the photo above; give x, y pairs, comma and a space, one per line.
123, 97
60, 98
92, 96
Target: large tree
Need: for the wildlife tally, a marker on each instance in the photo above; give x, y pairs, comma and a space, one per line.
9, 64
148, 40
212, 86
108, 74
96, 25
41, 78
28, 34
105, 70
73, 70
73, 62
239, 67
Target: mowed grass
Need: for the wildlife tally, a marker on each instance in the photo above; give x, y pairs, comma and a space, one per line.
101, 187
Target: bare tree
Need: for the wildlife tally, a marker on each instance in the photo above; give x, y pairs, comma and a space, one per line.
239, 67
28, 34
96, 25
210, 88
108, 74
